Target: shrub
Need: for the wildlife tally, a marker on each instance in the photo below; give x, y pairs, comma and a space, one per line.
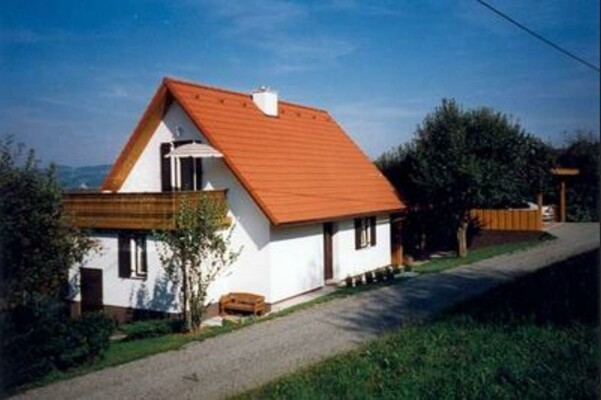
348, 281
369, 277
380, 275
50, 340
151, 328
96, 329
81, 340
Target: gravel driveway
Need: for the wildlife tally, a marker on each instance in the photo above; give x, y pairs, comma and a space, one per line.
240, 360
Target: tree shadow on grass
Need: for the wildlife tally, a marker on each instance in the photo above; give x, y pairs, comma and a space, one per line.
374, 312
563, 293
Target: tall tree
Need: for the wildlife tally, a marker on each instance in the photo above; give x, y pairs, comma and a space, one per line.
581, 151
38, 246
196, 252
463, 159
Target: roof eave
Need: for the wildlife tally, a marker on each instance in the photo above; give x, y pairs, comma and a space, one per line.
339, 217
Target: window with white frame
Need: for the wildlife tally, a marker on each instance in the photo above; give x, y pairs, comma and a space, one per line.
132, 258
365, 232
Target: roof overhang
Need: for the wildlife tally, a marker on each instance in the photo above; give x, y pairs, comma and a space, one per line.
337, 218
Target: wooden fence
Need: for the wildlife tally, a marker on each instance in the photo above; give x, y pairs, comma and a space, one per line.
508, 220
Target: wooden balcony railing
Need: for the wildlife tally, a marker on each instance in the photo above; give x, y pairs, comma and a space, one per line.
142, 211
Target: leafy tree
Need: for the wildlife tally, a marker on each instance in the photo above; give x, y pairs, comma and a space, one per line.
464, 159
196, 252
582, 151
38, 246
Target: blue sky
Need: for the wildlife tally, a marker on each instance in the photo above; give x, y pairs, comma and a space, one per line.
77, 75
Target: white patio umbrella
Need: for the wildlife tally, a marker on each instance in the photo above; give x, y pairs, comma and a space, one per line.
194, 150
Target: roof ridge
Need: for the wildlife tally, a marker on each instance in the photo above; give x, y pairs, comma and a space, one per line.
229, 91
287, 103
204, 86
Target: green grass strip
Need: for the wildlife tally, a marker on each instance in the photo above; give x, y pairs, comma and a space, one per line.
121, 352
444, 263
534, 338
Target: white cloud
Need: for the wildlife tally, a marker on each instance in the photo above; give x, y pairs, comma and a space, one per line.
362, 7
542, 17
115, 92
257, 16
29, 36
79, 103
278, 28
379, 124
378, 109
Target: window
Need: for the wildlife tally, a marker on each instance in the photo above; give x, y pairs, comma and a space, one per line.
132, 255
179, 173
365, 232
190, 176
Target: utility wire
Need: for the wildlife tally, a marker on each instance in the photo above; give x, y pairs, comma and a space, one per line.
536, 35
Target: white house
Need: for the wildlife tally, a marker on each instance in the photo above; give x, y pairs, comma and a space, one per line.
308, 207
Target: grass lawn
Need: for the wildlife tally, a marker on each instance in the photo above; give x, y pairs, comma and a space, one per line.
443, 263
534, 338
121, 352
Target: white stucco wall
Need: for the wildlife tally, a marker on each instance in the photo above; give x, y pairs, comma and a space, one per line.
145, 176
155, 292
296, 258
250, 232
351, 261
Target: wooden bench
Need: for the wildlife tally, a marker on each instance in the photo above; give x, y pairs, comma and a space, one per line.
245, 302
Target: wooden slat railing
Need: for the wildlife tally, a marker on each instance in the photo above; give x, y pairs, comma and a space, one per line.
508, 220
143, 211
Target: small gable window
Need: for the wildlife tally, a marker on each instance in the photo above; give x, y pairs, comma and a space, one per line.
365, 232
132, 256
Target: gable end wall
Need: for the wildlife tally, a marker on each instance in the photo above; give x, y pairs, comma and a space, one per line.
251, 227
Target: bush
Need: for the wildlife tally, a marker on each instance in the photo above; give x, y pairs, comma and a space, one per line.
42, 338
96, 330
82, 340
151, 328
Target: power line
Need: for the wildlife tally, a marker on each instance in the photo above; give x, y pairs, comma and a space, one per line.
536, 35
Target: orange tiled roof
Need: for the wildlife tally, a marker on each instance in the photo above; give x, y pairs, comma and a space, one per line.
299, 166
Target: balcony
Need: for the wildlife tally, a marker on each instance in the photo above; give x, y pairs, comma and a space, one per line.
144, 211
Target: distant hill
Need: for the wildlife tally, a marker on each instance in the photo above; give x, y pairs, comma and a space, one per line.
89, 177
